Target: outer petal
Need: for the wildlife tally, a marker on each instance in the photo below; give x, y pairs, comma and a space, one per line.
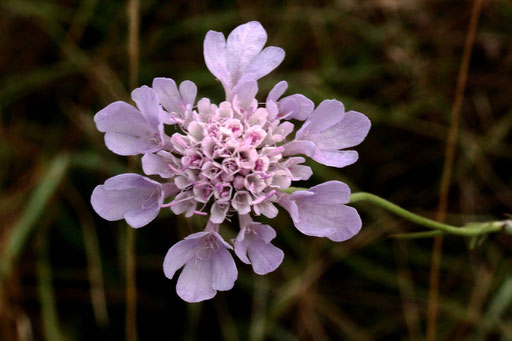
296, 106
218, 211
124, 144
121, 117
148, 104
224, 272
299, 172
159, 164
188, 92
128, 196
299, 147
168, 93
327, 114
178, 255
195, 281
334, 158
290, 205
277, 91
327, 193
349, 132
215, 55
321, 211
143, 216
264, 63
127, 132
349, 226
267, 208
183, 203
254, 241
246, 93
241, 246
244, 43
264, 232
264, 257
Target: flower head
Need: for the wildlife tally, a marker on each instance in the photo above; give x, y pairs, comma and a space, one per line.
228, 159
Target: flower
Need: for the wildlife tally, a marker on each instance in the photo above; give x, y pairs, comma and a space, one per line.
321, 211
252, 246
234, 158
208, 265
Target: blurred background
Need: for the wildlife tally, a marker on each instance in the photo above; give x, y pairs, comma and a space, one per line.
64, 270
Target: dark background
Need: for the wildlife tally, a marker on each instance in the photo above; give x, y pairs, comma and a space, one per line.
397, 61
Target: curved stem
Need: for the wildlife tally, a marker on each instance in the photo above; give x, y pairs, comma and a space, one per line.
466, 231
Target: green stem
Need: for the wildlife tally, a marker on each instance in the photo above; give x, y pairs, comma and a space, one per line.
466, 231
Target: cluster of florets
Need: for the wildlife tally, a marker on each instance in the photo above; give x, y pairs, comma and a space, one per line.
227, 160
228, 155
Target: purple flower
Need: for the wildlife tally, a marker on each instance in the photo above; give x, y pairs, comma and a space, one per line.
132, 197
252, 246
176, 102
296, 106
321, 211
228, 159
327, 130
209, 266
129, 131
240, 59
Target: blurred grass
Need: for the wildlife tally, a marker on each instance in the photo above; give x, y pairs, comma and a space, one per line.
396, 61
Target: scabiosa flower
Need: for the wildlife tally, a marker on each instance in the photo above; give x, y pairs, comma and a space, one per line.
227, 160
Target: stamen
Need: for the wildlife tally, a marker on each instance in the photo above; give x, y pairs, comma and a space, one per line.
172, 203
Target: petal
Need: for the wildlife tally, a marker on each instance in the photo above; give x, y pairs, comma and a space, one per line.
277, 91
327, 114
244, 43
264, 257
195, 281
132, 197
322, 212
143, 216
183, 202
348, 227
219, 211
284, 129
125, 145
263, 63
349, 132
120, 117
241, 202
148, 103
286, 202
127, 132
299, 172
158, 164
330, 192
297, 107
299, 147
268, 209
241, 247
246, 93
263, 232
224, 272
317, 221
188, 92
130, 180
169, 189
214, 50
178, 255
334, 158
168, 94
111, 205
